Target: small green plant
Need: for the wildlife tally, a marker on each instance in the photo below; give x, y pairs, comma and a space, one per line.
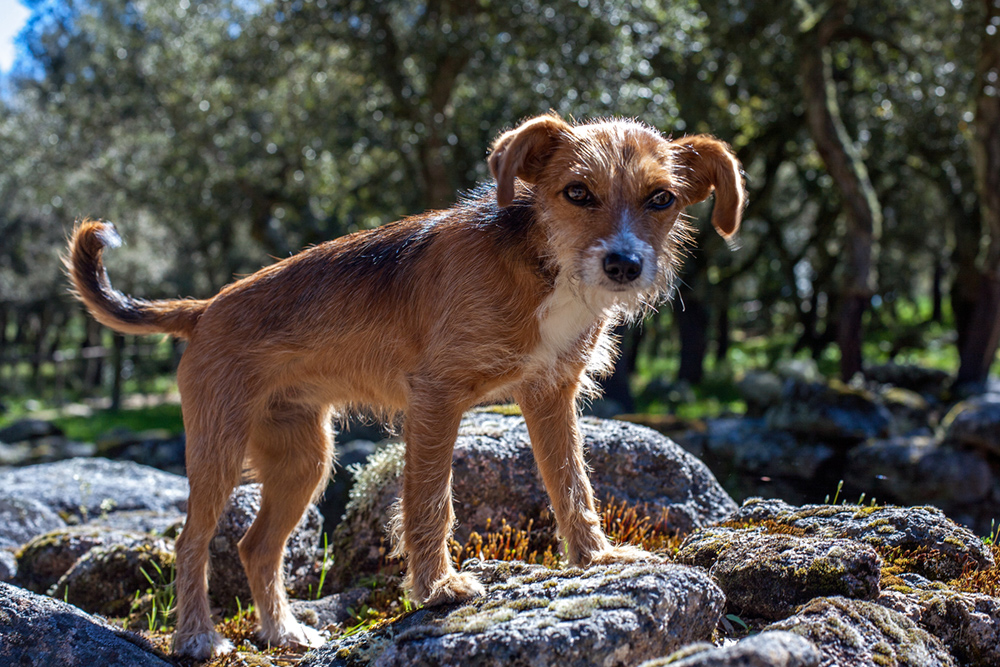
327, 563
826, 500
366, 618
162, 592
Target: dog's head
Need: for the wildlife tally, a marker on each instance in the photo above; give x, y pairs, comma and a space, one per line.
611, 196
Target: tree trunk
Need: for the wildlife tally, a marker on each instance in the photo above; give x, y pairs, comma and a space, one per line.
692, 323
840, 156
979, 344
617, 387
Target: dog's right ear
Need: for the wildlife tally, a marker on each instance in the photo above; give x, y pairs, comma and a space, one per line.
523, 152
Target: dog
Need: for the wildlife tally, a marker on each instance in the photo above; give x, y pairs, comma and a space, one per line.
509, 294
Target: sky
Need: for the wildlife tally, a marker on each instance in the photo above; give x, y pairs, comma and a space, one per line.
12, 18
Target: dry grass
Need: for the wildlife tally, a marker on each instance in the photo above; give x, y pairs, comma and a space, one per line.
985, 581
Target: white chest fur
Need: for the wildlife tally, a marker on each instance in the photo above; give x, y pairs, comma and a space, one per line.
563, 318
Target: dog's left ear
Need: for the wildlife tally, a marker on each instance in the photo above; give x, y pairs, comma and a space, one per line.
707, 163
524, 151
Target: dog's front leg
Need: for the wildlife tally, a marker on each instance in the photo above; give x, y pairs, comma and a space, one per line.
550, 413
425, 521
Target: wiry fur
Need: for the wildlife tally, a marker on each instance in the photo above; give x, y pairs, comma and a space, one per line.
507, 295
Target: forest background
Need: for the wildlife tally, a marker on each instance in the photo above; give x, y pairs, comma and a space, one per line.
221, 134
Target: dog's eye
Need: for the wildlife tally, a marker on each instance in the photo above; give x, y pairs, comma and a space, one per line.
578, 194
661, 199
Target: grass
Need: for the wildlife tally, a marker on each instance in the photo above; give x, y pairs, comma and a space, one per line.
87, 429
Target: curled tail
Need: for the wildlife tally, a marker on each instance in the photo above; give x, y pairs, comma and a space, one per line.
113, 308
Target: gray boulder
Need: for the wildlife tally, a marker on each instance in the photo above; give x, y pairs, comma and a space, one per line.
923, 530
858, 633
531, 616
39, 631
829, 413
909, 470
495, 479
967, 623
8, 565
228, 581
85, 488
976, 423
767, 576
331, 610
28, 429
775, 648
23, 518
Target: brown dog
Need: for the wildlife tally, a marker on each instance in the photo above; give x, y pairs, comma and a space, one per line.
509, 294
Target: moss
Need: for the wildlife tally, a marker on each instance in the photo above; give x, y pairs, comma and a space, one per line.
509, 409
384, 465
570, 609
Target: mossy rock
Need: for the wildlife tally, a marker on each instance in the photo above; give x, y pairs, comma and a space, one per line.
107, 578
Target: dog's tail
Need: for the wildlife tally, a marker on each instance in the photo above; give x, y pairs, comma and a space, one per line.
113, 308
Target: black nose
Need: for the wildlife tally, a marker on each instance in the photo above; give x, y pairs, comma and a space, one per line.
622, 268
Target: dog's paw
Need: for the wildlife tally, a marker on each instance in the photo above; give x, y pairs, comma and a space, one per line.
622, 553
292, 634
203, 646
453, 587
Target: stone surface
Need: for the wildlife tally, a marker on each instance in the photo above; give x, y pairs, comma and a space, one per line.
495, 479
43, 560
906, 529
23, 518
930, 382
967, 623
8, 565
858, 633
228, 581
908, 470
976, 423
106, 579
85, 488
829, 412
767, 576
28, 429
775, 648
38, 631
332, 609
532, 616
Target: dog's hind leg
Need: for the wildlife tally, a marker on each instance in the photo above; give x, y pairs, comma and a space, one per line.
291, 451
214, 462
550, 414
426, 515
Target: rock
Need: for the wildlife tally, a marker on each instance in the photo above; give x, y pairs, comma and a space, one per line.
82, 489
760, 390
165, 524
834, 413
332, 609
495, 479
767, 576
911, 413
28, 429
162, 453
926, 381
967, 623
531, 616
228, 582
775, 648
909, 470
44, 450
41, 632
22, 519
803, 371
46, 558
8, 566
751, 459
106, 579
858, 633
350, 455
920, 530
975, 423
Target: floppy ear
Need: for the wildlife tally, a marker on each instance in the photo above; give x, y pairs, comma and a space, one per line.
707, 163
523, 152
